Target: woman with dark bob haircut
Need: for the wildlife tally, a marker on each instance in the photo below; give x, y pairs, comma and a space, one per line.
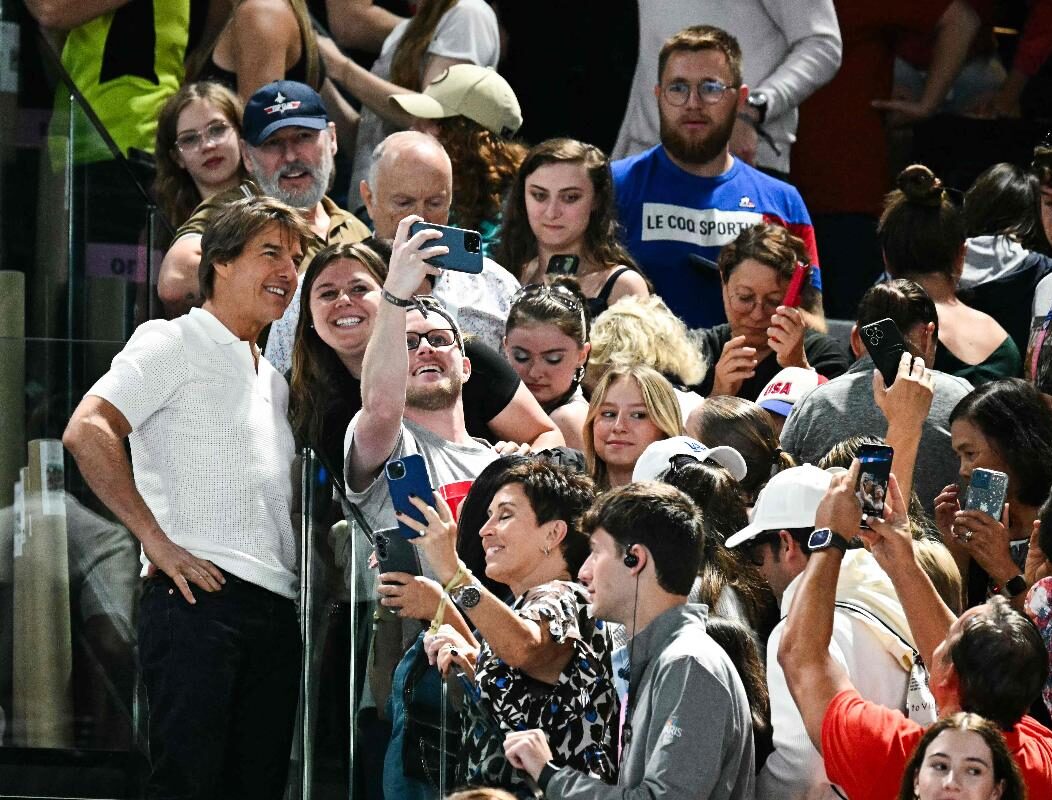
1004, 426
963, 752
544, 661
562, 203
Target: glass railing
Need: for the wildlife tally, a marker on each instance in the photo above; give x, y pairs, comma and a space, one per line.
80, 247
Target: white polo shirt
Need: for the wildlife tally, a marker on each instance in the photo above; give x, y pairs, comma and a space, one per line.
212, 450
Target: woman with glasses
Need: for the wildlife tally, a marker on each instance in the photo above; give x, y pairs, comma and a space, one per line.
921, 234
562, 203
631, 408
546, 341
197, 148
762, 335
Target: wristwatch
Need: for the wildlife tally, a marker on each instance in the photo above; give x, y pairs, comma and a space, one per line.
1015, 586
758, 101
466, 596
822, 538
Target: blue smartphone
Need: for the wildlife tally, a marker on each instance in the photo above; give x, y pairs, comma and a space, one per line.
986, 492
405, 477
465, 247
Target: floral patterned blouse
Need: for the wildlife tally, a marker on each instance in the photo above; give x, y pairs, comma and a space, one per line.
1039, 609
578, 713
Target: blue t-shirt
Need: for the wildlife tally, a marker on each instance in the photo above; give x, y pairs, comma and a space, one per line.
674, 222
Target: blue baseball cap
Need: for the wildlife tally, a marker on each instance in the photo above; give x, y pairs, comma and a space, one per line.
282, 104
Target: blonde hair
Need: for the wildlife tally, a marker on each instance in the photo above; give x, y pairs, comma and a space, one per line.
642, 330
938, 564
658, 396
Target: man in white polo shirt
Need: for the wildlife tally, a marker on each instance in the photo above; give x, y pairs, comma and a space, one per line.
208, 493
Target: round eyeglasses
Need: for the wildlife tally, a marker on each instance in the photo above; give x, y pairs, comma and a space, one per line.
195, 140
709, 92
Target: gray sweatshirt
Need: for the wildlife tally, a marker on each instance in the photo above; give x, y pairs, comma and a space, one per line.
689, 717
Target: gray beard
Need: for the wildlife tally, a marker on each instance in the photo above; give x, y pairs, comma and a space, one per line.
691, 151
305, 199
436, 397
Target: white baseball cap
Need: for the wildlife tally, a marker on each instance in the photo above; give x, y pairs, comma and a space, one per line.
789, 500
786, 388
654, 461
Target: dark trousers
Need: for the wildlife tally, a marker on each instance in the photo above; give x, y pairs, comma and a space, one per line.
222, 680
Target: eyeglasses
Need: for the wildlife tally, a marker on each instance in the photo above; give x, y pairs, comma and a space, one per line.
709, 92
440, 337
195, 140
744, 304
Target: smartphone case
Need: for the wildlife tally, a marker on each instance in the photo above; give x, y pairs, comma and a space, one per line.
873, 477
465, 247
395, 552
987, 489
885, 345
408, 476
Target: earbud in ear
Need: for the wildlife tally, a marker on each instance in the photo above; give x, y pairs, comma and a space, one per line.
631, 559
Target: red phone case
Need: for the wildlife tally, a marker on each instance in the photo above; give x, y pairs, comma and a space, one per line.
795, 292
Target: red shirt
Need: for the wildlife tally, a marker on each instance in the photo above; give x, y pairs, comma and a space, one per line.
866, 746
840, 159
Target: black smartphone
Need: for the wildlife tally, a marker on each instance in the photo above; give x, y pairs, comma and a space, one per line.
465, 247
407, 477
885, 345
987, 489
563, 265
872, 489
396, 553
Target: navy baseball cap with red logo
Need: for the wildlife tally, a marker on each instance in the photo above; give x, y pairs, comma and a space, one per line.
282, 104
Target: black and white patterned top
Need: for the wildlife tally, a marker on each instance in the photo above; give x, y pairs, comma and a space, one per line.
579, 713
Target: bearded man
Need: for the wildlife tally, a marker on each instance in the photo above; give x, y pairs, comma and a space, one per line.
288, 145
683, 199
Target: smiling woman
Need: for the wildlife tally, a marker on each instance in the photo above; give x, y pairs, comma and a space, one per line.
631, 408
545, 660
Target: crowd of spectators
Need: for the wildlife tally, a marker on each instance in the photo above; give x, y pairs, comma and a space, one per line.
636, 555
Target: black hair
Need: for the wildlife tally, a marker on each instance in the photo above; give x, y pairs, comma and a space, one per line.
920, 231
659, 517
1014, 417
556, 492
724, 513
1005, 200
1001, 663
904, 301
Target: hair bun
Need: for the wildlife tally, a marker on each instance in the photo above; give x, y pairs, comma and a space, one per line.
920, 185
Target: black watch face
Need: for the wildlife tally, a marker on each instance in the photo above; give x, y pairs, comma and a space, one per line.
469, 598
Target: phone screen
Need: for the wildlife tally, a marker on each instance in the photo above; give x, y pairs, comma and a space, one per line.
563, 265
872, 489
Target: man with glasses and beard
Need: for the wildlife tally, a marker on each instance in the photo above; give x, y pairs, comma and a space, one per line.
685, 198
871, 638
288, 145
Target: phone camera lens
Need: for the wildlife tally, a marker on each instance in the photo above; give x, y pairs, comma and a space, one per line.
396, 470
473, 242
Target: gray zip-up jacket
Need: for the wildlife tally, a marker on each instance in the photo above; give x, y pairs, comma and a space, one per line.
691, 729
